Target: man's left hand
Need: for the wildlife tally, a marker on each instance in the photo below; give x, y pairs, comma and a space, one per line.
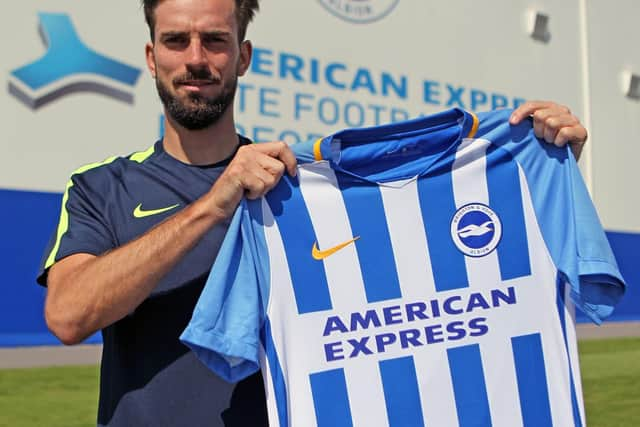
554, 123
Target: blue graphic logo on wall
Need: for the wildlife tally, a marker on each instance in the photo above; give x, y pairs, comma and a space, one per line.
476, 230
69, 66
360, 11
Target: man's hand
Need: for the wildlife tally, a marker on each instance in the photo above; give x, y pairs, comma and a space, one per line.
254, 170
554, 123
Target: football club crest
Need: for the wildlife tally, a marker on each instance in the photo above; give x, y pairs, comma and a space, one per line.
476, 230
360, 11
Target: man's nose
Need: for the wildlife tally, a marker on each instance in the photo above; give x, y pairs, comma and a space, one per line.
196, 52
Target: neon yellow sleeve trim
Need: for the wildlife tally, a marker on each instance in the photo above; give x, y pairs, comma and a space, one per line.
141, 156
63, 225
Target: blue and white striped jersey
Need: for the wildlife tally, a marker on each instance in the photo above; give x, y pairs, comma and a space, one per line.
415, 274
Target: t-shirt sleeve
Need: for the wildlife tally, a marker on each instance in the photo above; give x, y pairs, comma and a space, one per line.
83, 225
570, 226
224, 331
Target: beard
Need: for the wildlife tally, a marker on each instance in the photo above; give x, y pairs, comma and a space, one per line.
198, 112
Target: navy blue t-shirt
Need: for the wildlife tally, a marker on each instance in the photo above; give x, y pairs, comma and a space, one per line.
148, 377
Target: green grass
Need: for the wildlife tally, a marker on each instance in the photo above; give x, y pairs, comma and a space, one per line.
51, 397
67, 396
611, 381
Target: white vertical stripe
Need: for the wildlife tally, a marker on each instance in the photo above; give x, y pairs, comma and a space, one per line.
409, 241
282, 311
470, 186
558, 380
269, 391
366, 395
436, 388
469, 172
328, 212
502, 385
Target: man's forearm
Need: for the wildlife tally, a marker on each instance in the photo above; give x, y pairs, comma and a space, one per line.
87, 293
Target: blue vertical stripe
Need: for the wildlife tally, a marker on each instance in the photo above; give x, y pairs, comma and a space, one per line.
277, 375
469, 387
330, 399
560, 286
401, 392
532, 380
505, 198
375, 254
438, 206
309, 278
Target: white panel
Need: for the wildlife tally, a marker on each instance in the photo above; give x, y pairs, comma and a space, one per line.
406, 230
319, 187
42, 147
470, 186
436, 392
502, 386
366, 398
614, 37
467, 54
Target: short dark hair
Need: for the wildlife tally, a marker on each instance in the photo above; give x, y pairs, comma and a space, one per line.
245, 11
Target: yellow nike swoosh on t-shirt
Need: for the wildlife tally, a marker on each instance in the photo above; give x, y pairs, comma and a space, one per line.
320, 255
138, 212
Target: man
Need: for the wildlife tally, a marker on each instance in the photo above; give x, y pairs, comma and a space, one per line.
138, 234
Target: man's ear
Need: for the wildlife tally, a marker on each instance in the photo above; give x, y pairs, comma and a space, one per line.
246, 49
151, 59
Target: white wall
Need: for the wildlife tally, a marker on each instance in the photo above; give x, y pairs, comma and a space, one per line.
476, 49
614, 47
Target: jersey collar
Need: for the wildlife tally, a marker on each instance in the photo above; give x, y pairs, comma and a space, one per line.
369, 145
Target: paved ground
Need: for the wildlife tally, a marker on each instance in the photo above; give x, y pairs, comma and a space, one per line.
27, 357
608, 330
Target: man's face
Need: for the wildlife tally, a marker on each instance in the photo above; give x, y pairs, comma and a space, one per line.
196, 59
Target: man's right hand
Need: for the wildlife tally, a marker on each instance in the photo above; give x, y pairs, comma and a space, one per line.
254, 170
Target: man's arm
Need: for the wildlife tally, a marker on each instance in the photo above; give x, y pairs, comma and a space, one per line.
554, 123
87, 293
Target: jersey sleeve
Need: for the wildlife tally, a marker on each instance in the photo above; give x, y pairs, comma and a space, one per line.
83, 225
224, 331
570, 225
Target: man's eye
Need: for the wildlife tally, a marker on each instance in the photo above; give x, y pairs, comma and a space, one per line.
176, 41
212, 40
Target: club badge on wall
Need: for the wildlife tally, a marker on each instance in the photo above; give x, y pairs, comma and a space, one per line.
360, 11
